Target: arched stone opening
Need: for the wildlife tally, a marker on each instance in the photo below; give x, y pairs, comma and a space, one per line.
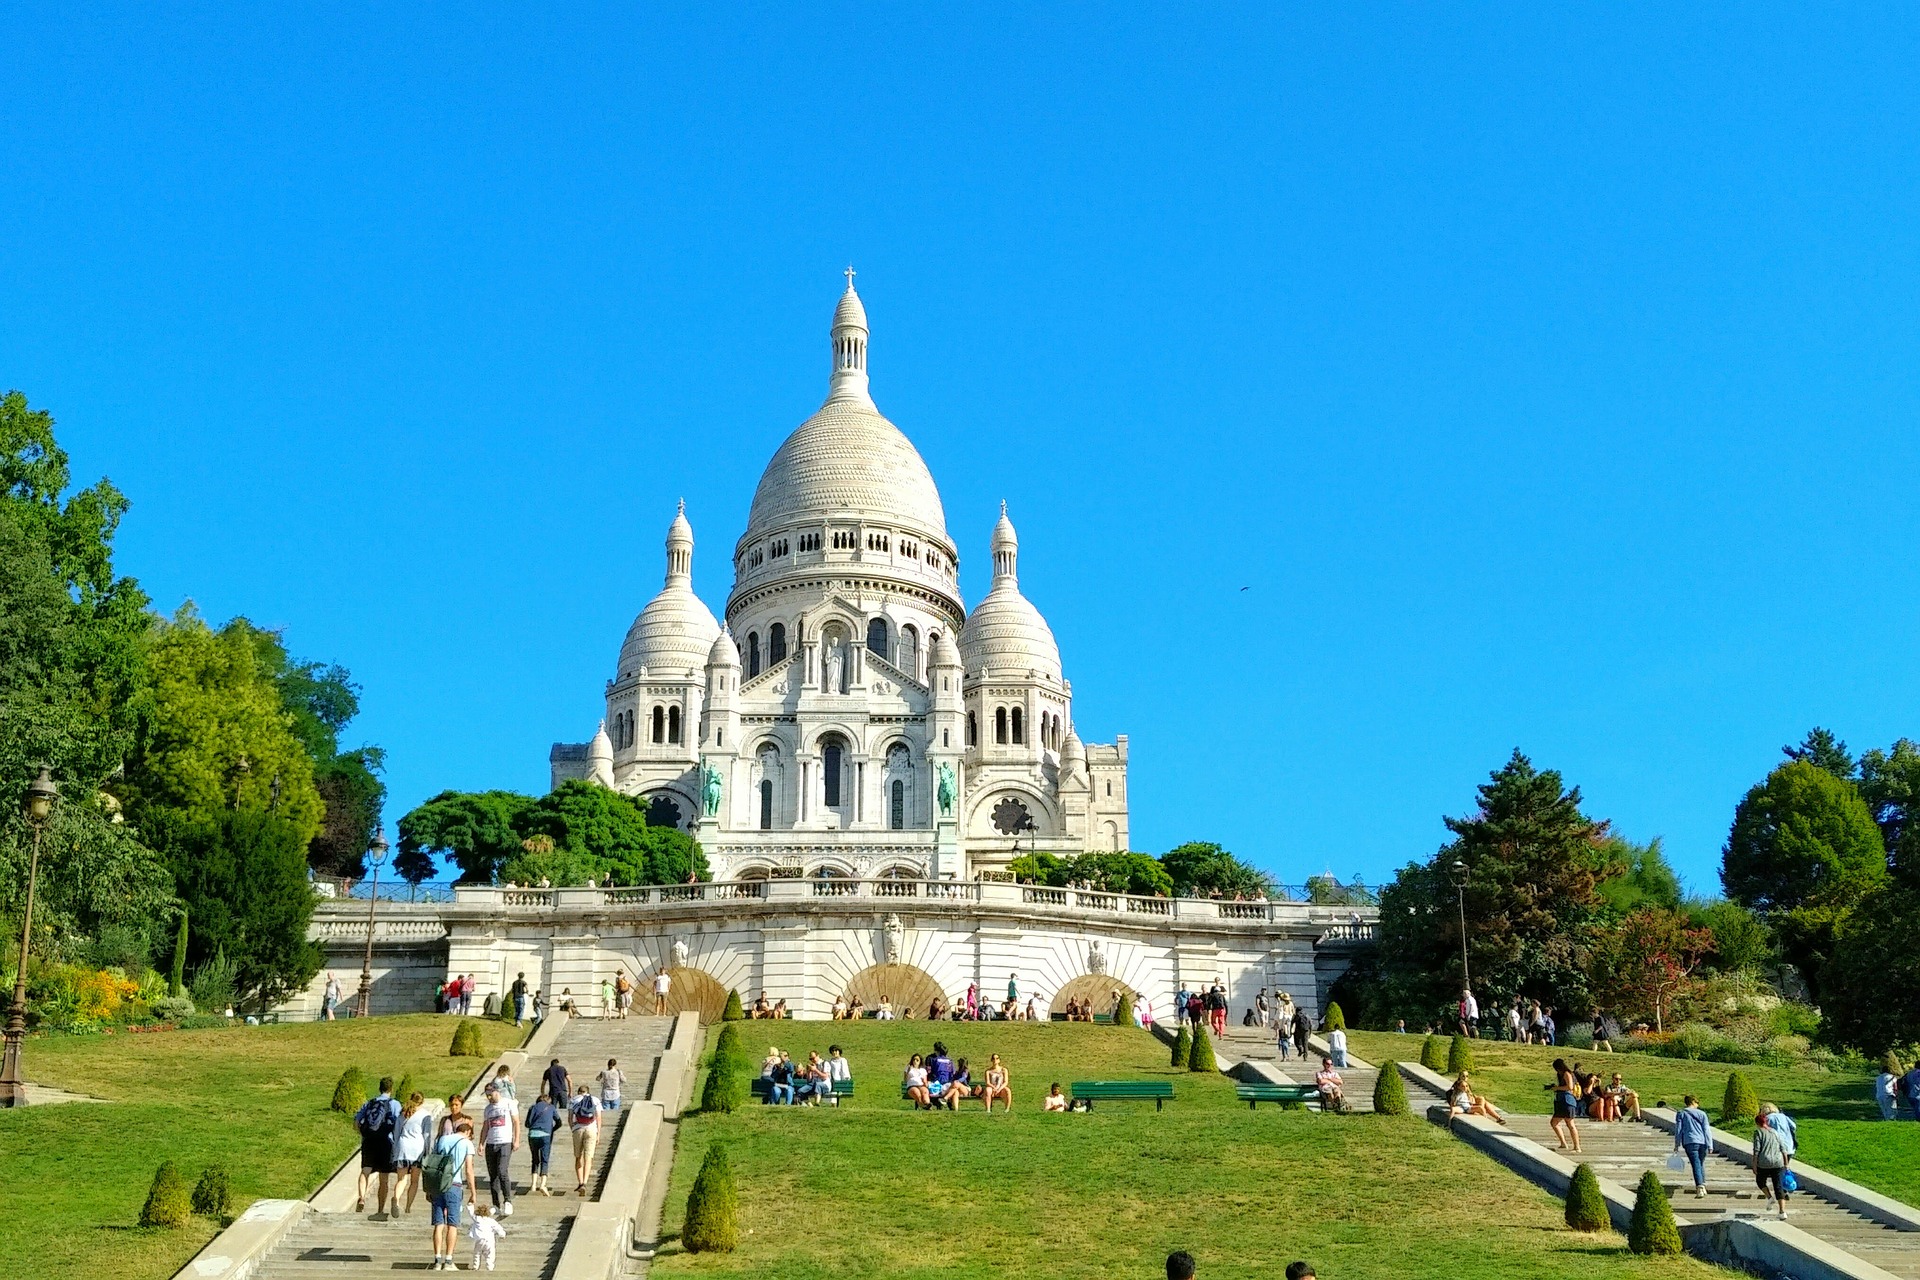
907, 986
1102, 989
692, 989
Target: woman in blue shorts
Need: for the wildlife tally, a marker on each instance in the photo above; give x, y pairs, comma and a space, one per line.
455, 1151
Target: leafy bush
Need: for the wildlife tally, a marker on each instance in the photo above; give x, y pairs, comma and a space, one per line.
1201, 1059
730, 1047
466, 1040
1732, 1051
168, 1203
1123, 1012
1459, 1056
1739, 1102
1692, 1041
1432, 1056
1578, 1038
1790, 1019
713, 1207
1586, 1207
204, 1022
404, 1089
1785, 1051
1335, 1020
1389, 1091
1653, 1229
172, 1008
728, 1085
212, 1197
733, 1012
1182, 1046
351, 1091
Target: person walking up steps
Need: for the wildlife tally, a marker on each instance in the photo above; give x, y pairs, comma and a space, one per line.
559, 1086
543, 1121
662, 983
416, 1136
1770, 1157
610, 1081
378, 1121
500, 1135
485, 1233
585, 1117
1693, 1134
448, 1174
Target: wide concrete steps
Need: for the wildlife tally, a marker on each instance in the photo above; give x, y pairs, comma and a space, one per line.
348, 1246
1622, 1152
1258, 1044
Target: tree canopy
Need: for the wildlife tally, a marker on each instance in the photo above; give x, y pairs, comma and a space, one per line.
1201, 869
577, 832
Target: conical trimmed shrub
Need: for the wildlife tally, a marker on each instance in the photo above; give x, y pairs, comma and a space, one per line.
1123, 1012
734, 1012
1740, 1102
1182, 1046
168, 1204
1432, 1056
466, 1040
177, 979
1653, 1229
1389, 1091
1335, 1020
1586, 1207
713, 1208
404, 1089
1459, 1056
728, 1085
351, 1091
212, 1196
1201, 1057
730, 1046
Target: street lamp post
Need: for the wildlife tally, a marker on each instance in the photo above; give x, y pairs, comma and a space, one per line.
1459, 870
378, 850
41, 793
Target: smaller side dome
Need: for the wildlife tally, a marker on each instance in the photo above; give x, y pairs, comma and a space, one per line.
725, 653
1005, 633
1073, 760
600, 757
944, 653
674, 634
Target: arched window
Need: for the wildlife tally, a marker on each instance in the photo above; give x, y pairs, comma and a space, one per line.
776, 642
659, 724
973, 730
766, 804
673, 725
999, 725
946, 738
663, 811
753, 654
877, 638
1019, 738
897, 815
909, 652
830, 760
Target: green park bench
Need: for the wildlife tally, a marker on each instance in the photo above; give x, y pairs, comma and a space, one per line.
1255, 1094
1092, 1091
763, 1089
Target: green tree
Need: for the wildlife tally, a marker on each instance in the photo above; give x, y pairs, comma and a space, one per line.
1825, 752
1123, 1012
1432, 1055
1646, 962
350, 1091
1740, 940
474, 829
1653, 1230
1459, 1055
1135, 873
212, 1195
1201, 1057
242, 876
1586, 1207
1182, 1046
1739, 1102
169, 1203
1335, 1019
1389, 1091
1803, 850
353, 795
1642, 876
713, 1206
1200, 869
1041, 868
1871, 986
734, 1011
466, 1040
603, 835
1890, 784
1534, 866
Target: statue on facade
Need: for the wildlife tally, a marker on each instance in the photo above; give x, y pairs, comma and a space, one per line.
833, 667
1096, 958
949, 790
680, 953
893, 933
710, 787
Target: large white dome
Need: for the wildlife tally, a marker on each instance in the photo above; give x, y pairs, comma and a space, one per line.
847, 460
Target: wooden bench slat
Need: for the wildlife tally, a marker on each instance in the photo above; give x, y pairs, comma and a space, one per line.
1123, 1090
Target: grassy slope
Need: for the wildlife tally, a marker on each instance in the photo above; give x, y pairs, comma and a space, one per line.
1840, 1129
876, 1189
255, 1099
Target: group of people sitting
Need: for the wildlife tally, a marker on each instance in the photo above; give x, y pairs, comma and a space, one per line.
936, 1080
805, 1084
1082, 1010
938, 1010
762, 1009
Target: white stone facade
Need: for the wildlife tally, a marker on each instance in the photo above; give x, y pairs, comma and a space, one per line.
849, 681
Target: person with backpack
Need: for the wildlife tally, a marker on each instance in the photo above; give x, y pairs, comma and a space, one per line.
543, 1121
585, 1116
500, 1138
378, 1121
447, 1173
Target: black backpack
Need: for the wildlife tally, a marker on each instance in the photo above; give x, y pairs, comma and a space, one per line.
375, 1119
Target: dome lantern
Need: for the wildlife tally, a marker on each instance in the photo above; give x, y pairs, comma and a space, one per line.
680, 547
849, 348
1005, 547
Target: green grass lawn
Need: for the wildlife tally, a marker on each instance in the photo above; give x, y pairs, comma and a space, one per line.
875, 1189
253, 1098
1840, 1128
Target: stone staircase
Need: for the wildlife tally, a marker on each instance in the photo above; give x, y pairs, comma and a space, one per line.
353, 1246
1259, 1045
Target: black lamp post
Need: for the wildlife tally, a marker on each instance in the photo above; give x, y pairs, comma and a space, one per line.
38, 807
1459, 872
378, 852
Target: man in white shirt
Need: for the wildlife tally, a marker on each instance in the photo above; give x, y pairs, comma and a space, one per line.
662, 983
1337, 1046
838, 1070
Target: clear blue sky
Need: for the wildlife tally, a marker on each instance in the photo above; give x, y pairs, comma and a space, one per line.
1373, 395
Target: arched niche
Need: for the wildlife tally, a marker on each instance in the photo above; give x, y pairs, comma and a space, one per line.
907, 986
693, 989
1100, 988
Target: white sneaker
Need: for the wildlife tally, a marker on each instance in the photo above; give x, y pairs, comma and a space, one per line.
506, 1210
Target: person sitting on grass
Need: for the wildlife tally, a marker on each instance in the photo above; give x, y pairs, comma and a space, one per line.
960, 1088
762, 1008
1462, 1101
839, 1070
1331, 1086
1055, 1100
856, 1009
916, 1082
886, 1010
1622, 1099
996, 1085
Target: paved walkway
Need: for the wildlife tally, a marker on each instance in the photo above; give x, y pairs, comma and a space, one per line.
1623, 1151
350, 1246
1261, 1045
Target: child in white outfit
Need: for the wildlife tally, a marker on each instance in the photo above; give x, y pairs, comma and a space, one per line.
486, 1230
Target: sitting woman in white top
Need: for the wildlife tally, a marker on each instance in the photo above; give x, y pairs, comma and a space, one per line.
1462, 1101
1055, 1100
